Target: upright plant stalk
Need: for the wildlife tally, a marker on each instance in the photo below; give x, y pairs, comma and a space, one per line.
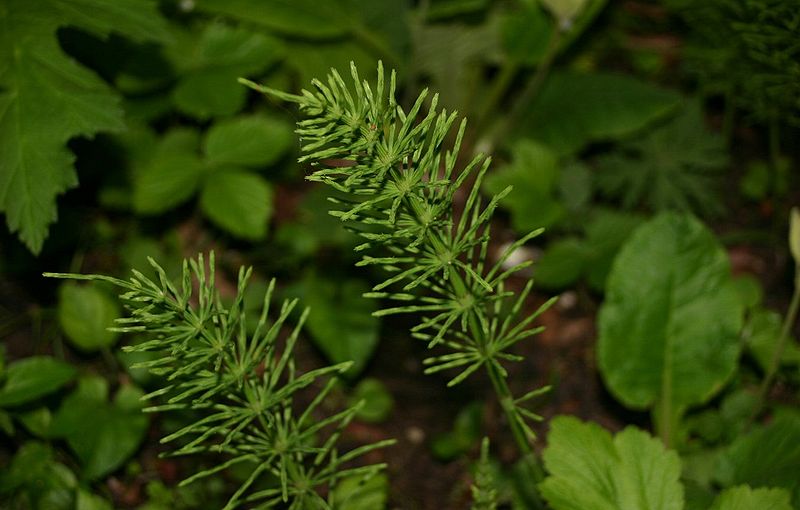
240, 384
400, 187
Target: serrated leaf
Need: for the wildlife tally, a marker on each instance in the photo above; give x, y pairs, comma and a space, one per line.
534, 174
341, 321
592, 107
117, 428
306, 18
171, 176
47, 98
590, 470
670, 323
31, 378
745, 498
86, 313
769, 456
210, 63
238, 201
254, 140
674, 167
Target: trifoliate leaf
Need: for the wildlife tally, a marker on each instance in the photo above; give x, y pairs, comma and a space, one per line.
534, 173
31, 378
676, 166
85, 313
745, 498
211, 62
238, 201
592, 107
769, 456
47, 98
117, 428
172, 174
669, 327
590, 470
254, 140
341, 322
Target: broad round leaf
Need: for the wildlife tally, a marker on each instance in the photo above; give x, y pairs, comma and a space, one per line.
254, 140
85, 313
669, 326
33, 377
239, 202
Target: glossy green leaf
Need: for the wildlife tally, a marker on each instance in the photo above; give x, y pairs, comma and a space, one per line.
590, 470
116, 428
85, 314
670, 323
592, 107
534, 173
210, 63
171, 176
47, 98
745, 498
33, 377
254, 140
238, 201
769, 456
341, 322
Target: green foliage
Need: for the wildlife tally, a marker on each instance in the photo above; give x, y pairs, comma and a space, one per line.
35, 480
33, 377
590, 470
117, 430
674, 167
745, 498
341, 324
533, 174
400, 186
592, 107
669, 327
360, 493
240, 385
484, 495
747, 51
208, 62
232, 194
377, 401
465, 433
46, 99
570, 258
769, 456
85, 313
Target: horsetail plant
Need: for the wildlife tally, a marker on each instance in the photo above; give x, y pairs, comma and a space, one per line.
240, 385
400, 192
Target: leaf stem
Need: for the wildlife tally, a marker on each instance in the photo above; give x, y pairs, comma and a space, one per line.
777, 354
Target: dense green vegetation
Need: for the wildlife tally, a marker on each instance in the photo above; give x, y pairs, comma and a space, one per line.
284, 271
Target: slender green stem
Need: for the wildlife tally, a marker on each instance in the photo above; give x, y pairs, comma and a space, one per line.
497, 91
533, 87
777, 354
